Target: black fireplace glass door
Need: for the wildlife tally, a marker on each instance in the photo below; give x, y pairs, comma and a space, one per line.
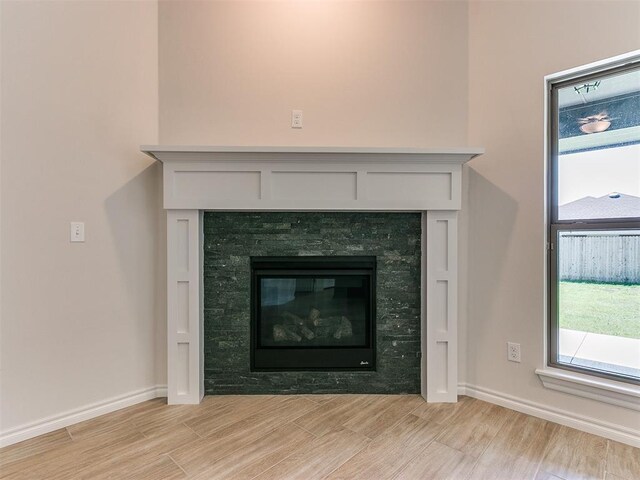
313, 313
324, 309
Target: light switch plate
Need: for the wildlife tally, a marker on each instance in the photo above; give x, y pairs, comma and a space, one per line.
76, 233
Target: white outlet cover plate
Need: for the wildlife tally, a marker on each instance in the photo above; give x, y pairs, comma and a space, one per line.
513, 352
296, 118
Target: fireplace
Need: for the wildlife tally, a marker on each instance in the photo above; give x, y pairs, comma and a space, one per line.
313, 313
199, 180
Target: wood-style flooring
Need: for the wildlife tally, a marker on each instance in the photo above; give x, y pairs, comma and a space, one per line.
373, 437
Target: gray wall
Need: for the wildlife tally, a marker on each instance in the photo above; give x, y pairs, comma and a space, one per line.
81, 323
512, 46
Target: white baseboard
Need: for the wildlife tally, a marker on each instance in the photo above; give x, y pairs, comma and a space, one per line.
55, 422
563, 417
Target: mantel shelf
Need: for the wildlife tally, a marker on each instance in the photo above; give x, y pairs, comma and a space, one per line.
311, 178
185, 153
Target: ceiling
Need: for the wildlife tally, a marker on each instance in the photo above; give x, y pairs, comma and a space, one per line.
610, 86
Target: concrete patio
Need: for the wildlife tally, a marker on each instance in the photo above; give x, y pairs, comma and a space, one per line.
607, 352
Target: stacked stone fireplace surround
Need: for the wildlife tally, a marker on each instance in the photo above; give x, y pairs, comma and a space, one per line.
231, 238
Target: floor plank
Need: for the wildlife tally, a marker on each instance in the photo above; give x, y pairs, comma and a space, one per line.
34, 446
385, 456
610, 476
438, 461
223, 413
198, 455
256, 457
324, 455
320, 398
575, 455
109, 426
65, 462
441, 413
474, 426
517, 449
133, 467
542, 475
333, 413
376, 420
623, 461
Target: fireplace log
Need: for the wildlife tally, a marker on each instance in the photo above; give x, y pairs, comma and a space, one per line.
291, 334
327, 322
324, 332
292, 319
344, 330
313, 314
284, 332
307, 332
279, 333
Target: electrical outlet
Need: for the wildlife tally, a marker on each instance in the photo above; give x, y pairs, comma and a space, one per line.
296, 118
513, 352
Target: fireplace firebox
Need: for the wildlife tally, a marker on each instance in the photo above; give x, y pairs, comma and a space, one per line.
313, 313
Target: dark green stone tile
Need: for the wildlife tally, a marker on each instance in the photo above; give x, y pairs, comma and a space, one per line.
231, 238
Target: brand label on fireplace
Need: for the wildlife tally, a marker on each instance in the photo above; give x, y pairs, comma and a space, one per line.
364, 363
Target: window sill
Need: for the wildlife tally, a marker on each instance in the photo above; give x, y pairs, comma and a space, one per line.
603, 390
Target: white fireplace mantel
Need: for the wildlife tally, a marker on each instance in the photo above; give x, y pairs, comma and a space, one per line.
199, 178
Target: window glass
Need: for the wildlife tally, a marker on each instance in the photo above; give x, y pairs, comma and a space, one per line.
598, 169
599, 300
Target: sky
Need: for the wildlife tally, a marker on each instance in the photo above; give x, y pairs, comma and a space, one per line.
599, 172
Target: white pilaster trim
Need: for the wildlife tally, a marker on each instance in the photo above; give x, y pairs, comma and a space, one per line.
441, 321
424, 319
184, 307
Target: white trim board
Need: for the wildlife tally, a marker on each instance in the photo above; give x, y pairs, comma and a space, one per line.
70, 417
588, 386
563, 417
158, 151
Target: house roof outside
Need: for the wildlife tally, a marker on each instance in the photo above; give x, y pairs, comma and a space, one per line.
614, 205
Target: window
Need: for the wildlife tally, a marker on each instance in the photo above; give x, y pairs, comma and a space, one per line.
594, 222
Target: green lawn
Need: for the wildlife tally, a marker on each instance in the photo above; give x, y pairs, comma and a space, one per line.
600, 308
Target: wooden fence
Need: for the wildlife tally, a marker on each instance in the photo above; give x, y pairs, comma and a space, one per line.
600, 257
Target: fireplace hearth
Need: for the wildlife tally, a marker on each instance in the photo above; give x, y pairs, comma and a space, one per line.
313, 313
